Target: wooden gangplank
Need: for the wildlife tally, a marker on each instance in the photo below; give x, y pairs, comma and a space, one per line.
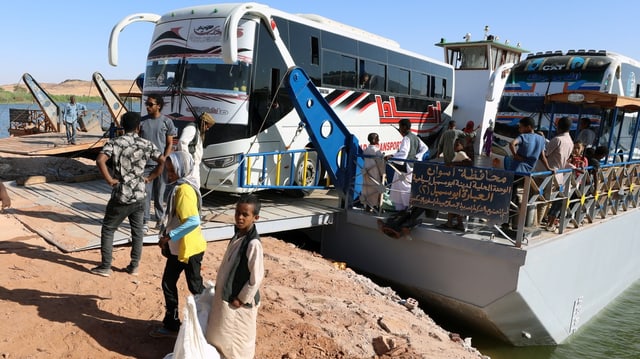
51, 143
69, 215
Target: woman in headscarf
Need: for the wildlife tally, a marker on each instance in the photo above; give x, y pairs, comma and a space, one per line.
192, 139
469, 139
181, 238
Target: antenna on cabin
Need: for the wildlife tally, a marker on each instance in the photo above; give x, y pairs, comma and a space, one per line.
467, 37
486, 32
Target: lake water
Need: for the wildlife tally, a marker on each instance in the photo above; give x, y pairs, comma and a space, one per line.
613, 334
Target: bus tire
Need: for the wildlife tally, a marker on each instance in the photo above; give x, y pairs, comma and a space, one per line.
312, 172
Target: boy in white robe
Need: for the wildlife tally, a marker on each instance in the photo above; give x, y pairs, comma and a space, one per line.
231, 326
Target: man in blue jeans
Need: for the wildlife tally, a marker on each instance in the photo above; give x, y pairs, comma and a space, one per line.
71, 113
129, 154
160, 130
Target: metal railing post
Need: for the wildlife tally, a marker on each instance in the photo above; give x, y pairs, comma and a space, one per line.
522, 211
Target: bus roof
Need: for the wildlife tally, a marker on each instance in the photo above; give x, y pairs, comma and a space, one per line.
317, 21
222, 10
350, 29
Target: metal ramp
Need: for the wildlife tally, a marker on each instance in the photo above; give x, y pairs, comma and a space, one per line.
69, 215
27, 121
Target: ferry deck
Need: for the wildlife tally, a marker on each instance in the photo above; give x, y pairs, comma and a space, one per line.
80, 207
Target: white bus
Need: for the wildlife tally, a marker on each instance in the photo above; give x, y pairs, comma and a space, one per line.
229, 60
553, 72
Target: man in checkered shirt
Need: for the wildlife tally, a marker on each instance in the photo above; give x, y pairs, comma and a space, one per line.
128, 155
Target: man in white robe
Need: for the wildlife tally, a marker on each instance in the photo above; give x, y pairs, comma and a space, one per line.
411, 148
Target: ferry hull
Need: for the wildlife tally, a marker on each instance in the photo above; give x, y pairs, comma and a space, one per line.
538, 295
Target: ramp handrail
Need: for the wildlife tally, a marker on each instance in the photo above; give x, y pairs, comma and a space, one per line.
583, 197
285, 165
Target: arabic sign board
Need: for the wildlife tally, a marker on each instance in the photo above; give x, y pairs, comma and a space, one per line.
468, 191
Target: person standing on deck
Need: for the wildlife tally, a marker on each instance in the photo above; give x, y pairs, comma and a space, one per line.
128, 154
72, 111
373, 185
578, 162
488, 140
460, 159
411, 148
527, 148
594, 156
160, 130
557, 151
446, 143
469, 139
586, 135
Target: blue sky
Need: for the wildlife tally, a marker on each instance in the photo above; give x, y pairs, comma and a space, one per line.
59, 40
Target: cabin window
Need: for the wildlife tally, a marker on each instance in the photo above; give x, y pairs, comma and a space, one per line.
473, 58
499, 57
454, 57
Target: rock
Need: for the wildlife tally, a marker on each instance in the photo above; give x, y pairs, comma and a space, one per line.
455, 337
382, 345
393, 325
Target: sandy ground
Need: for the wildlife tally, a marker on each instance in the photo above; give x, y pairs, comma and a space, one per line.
52, 307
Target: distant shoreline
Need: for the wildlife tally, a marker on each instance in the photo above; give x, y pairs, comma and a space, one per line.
76, 87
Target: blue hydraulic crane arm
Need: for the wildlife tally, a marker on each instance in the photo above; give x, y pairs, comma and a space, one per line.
338, 149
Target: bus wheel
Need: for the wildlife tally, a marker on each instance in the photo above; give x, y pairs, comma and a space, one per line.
306, 174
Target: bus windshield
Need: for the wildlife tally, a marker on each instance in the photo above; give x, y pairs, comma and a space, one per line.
536, 77
199, 80
209, 75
